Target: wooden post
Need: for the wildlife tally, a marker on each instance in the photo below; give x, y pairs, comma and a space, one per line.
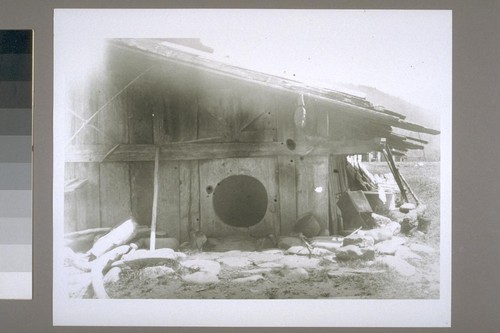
411, 191
155, 201
334, 227
395, 171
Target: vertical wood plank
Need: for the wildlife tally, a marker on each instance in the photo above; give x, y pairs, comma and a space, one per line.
312, 187
286, 168
188, 198
90, 203
186, 224
287, 194
333, 188
141, 186
86, 210
114, 193
168, 199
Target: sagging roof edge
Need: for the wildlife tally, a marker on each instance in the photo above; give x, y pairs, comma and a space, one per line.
342, 101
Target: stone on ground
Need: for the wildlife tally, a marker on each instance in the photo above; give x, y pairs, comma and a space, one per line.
200, 278
358, 240
353, 252
293, 261
207, 266
285, 243
296, 274
421, 248
404, 252
274, 265
234, 261
303, 251
252, 278
399, 265
394, 227
380, 220
327, 243
112, 276
406, 207
308, 225
387, 247
155, 272
255, 271
379, 234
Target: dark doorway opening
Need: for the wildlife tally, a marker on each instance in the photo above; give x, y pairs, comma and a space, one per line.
240, 201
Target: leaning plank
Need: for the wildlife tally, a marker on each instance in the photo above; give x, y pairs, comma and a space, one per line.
119, 235
81, 241
101, 265
395, 171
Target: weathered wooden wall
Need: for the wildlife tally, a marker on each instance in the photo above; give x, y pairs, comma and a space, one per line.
141, 101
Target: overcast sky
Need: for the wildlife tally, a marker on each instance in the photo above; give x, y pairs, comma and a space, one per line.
403, 53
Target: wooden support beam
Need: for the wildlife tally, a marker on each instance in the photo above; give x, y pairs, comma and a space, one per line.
200, 151
397, 176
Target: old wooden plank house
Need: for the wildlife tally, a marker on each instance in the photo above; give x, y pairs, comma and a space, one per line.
167, 132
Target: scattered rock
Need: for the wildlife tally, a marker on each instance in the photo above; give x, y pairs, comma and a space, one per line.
335, 273
274, 265
207, 266
424, 223
380, 220
416, 233
112, 276
296, 274
267, 242
260, 257
255, 271
308, 225
421, 210
155, 272
379, 234
399, 265
353, 252
394, 227
406, 207
406, 220
404, 252
144, 258
300, 261
273, 251
286, 242
358, 240
324, 232
421, 248
303, 251
252, 278
387, 247
327, 243
200, 278
234, 261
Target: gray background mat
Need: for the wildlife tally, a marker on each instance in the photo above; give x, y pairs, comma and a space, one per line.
476, 185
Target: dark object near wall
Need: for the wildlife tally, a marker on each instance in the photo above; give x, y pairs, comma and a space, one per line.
240, 201
356, 210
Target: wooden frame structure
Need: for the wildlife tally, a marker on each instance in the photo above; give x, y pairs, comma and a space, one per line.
159, 115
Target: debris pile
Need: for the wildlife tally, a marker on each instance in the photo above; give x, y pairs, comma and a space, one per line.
104, 258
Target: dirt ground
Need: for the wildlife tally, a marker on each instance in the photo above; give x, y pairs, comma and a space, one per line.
274, 274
